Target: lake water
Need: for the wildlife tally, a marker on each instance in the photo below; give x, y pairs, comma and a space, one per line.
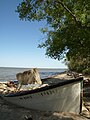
7, 73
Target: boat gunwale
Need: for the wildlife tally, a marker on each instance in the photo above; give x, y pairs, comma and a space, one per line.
37, 90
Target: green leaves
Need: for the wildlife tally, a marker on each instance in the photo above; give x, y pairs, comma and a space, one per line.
68, 30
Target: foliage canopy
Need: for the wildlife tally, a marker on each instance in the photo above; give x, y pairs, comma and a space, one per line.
68, 34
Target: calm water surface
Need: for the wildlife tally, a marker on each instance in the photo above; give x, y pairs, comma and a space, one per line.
10, 73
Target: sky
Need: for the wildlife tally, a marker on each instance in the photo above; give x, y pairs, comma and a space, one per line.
19, 40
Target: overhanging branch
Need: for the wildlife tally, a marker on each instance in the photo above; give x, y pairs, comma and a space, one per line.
67, 9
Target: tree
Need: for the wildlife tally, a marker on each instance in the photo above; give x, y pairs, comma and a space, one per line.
68, 34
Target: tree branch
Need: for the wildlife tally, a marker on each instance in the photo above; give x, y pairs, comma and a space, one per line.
67, 9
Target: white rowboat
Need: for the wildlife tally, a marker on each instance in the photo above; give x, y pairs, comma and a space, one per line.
62, 96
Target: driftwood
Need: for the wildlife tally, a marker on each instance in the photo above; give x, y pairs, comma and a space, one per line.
28, 77
7, 87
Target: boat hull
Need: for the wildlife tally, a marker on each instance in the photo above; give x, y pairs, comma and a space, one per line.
63, 98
